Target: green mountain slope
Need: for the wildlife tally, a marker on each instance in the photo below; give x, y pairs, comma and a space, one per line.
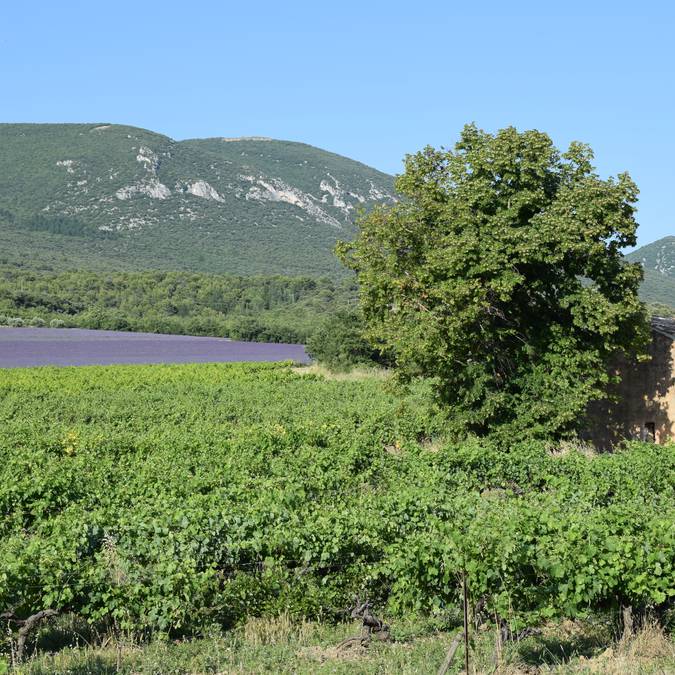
658, 260
659, 257
102, 196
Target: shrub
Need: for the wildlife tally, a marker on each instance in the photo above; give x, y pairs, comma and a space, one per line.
247, 329
339, 343
57, 323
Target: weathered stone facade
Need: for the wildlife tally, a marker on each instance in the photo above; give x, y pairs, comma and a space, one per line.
646, 406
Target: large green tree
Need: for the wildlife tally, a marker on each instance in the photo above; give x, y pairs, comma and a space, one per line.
500, 274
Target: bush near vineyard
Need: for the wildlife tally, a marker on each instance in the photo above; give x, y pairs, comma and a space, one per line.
339, 343
165, 499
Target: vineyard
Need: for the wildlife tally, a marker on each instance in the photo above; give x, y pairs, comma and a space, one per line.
166, 500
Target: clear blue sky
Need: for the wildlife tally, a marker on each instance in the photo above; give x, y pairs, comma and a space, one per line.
370, 80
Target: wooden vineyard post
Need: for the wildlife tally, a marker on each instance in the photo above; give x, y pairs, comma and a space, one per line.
466, 622
450, 654
458, 638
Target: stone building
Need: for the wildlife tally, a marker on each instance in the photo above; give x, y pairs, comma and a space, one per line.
646, 406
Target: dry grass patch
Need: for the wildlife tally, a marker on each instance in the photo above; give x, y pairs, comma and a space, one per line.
563, 448
650, 642
279, 630
327, 654
577, 647
353, 375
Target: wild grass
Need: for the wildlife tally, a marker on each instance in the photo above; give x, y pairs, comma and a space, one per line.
356, 374
285, 645
262, 631
566, 447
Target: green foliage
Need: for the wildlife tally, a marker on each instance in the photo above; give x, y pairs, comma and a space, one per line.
501, 275
339, 343
169, 498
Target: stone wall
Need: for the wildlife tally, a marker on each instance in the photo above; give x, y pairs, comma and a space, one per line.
646, 406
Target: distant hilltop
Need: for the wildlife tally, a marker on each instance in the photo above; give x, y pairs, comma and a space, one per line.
658, 260
107, 195
246, 138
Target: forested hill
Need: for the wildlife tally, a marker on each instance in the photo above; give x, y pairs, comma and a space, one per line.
658, 260
104, 197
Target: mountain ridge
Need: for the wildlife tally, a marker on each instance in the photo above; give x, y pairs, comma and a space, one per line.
128, 195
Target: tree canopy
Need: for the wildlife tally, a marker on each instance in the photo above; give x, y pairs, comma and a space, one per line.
500, 273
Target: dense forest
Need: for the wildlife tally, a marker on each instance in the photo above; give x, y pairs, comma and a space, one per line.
273, 309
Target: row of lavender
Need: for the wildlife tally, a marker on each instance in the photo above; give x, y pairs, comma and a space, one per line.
21, 347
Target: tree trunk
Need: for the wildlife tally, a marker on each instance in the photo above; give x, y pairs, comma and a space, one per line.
27, 626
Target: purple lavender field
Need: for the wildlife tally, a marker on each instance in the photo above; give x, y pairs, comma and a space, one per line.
21, 347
